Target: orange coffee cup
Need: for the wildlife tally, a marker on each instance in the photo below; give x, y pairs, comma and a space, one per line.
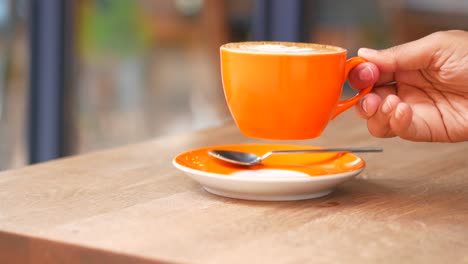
285, 90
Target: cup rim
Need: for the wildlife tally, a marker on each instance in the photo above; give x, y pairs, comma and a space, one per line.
338, 49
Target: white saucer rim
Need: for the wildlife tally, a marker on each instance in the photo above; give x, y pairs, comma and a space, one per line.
312, 178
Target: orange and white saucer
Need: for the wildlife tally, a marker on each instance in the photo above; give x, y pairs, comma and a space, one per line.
278, 178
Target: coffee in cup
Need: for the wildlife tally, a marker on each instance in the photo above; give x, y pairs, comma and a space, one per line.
285, 90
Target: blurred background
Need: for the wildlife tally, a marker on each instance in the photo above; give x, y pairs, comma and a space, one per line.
83, 75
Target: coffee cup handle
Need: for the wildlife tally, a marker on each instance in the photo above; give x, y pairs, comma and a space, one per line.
348, 103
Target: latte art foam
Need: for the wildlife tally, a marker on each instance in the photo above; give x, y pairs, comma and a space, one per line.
276, 48
281, 48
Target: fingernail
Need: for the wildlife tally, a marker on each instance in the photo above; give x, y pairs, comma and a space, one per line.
386, 107
366, 74
398, 113
364, 51
363, 105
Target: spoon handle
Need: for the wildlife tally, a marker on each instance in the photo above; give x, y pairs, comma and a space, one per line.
355, 150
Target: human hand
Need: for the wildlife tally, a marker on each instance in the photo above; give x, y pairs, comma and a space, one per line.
429, 101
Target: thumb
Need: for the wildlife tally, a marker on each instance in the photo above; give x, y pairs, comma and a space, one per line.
413, 55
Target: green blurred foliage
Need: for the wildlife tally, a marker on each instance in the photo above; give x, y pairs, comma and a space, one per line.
113, 28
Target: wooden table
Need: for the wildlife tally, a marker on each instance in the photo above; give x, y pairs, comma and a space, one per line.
129, 204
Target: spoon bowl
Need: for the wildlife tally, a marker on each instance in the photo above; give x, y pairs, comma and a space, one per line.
249, 159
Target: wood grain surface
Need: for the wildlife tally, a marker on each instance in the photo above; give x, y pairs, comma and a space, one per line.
129, 204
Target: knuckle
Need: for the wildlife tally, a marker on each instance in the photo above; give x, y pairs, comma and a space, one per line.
379, 129
374, 130
439, 35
